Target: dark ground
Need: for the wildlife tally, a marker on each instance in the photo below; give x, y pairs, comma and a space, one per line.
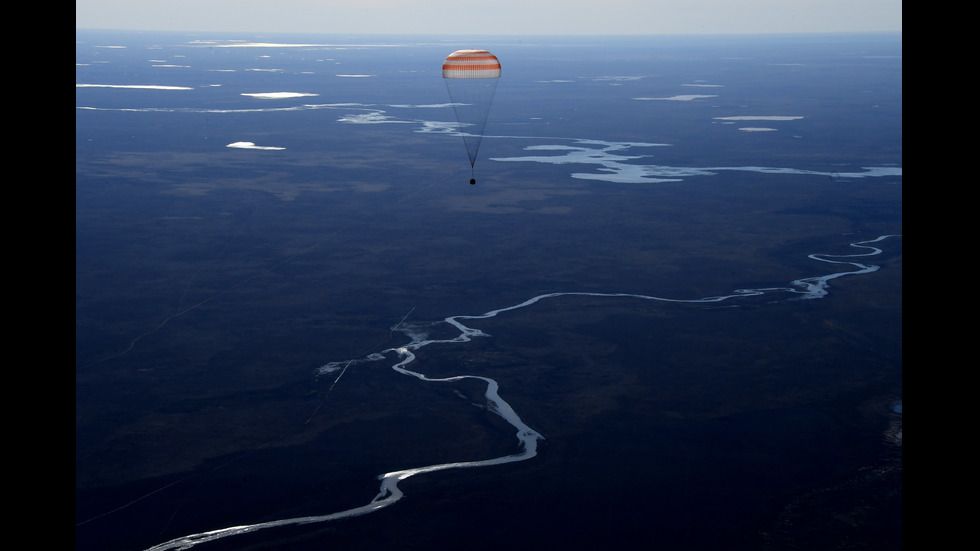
211, 284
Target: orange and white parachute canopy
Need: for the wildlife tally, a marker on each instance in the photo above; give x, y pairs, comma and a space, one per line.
471, 64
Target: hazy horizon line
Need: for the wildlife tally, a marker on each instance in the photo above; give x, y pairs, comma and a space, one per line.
503, 34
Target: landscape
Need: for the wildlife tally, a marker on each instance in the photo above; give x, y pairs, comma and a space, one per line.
668, 313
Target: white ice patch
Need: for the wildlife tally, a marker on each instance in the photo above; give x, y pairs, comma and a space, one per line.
251, 145
422, 106
279, 95
682, 97
759, 118
617, 78
134, 86
372, 117
438, 127
242, 44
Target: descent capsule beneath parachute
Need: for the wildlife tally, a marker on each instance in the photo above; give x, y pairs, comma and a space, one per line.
471, 77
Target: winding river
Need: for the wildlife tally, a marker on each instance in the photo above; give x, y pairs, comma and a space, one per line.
527, 438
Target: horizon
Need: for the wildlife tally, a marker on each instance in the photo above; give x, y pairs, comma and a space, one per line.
503, 17
501, 35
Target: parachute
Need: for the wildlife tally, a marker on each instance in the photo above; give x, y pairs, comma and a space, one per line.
471, 77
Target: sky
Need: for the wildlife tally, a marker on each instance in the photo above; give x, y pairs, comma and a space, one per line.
494, 17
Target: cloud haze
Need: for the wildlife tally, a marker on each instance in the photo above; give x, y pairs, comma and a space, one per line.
513, 17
